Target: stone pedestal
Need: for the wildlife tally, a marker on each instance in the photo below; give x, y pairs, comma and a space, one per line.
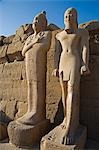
79, 143
23, 135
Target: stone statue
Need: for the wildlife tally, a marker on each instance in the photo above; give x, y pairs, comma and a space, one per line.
35, 52
71, 61
29, 129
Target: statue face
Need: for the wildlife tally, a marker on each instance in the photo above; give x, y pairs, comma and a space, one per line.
36, 23
39, 22
70, 16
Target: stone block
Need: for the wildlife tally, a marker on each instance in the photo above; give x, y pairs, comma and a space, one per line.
1, 40
8, 40
27, 135
13, 90
52, 27
3, 104
3, 52
12, 71
11, 109
6, 91
90, 25
14, 51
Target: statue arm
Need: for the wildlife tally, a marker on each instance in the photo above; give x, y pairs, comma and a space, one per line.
85, 53
58, 50
27, 46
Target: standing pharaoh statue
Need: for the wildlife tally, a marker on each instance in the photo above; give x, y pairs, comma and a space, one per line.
71, 61
35, 52
33, 125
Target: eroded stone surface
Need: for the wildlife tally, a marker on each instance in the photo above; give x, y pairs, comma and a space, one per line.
69, 66
80, 137
23, 135
89, 103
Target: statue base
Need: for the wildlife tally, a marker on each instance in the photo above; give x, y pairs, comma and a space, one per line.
23, 135
80, 140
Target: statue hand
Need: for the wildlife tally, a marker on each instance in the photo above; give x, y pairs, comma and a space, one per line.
55, 73
85, 70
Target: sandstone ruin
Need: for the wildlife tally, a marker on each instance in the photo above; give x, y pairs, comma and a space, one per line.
13, 91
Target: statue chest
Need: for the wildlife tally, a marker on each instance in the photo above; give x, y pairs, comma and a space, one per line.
70, 41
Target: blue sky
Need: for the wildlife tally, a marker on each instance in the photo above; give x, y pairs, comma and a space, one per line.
14, 13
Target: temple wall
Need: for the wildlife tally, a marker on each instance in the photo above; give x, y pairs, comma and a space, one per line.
13, 84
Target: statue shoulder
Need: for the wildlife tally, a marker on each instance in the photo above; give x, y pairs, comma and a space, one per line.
59, 34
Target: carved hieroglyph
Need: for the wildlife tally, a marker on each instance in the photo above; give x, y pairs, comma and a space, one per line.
71, 61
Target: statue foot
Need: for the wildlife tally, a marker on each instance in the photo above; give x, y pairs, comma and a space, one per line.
61, 134
30, 118
57, 134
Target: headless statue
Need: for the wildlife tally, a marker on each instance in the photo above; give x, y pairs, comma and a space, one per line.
35, 52
71, 61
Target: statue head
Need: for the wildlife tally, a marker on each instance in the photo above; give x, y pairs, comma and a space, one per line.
70, 17
40, 22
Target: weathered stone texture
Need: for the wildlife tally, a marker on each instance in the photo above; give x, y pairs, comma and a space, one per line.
13, 84
89, 109
53, 86
90, 99
14, 88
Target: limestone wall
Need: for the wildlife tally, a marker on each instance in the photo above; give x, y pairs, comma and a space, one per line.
89, 109
13, 85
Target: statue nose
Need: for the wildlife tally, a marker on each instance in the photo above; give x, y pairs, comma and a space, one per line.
69, 18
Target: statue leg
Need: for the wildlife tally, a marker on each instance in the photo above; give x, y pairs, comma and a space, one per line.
64, 94
72, 113
57, 134
36, 104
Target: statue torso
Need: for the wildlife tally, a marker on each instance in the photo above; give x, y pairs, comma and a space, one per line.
70, 56
70, 43
36, 56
